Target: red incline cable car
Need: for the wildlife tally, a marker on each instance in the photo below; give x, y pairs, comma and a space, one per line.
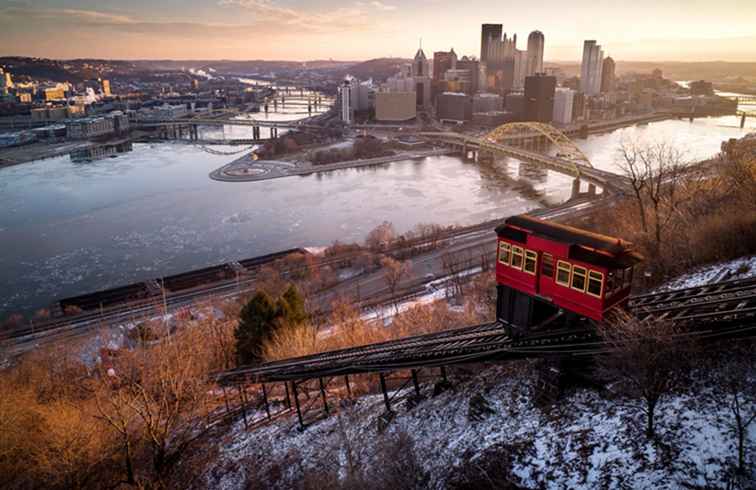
557, 267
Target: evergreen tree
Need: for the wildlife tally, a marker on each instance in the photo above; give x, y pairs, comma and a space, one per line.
256, 320
262, 316
292, 306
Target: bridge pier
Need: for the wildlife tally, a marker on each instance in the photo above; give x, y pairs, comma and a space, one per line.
576, 189
742, 120
485, 157
591, 189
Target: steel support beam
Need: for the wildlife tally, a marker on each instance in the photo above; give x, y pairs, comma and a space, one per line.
296, 402
415, 382
323, 395
265, 399
243, 405
386, 400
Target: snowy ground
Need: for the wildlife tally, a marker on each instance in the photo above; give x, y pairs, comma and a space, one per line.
586, 442
723, 271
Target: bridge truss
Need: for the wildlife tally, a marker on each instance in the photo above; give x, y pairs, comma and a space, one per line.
566, 148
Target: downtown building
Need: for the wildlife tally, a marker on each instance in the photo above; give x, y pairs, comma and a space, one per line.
506, 66
539, 98
608, 78
591, 68
564, 102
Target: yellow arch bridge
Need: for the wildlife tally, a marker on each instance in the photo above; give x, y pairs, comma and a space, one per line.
506, 140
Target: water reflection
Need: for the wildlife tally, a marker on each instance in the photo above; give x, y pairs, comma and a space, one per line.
69, 228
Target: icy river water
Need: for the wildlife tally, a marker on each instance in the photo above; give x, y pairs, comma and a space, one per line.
68, 228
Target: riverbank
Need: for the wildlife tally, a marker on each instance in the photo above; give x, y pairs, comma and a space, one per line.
246, 169
39, 151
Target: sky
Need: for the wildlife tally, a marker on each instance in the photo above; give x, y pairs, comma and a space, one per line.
637, 30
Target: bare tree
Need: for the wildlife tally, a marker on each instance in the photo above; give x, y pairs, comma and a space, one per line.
159, 398
737, 374
393, 273
454, 265
381, 236
645, 357
661, 181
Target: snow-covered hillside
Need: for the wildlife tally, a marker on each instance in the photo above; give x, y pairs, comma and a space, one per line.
487, 429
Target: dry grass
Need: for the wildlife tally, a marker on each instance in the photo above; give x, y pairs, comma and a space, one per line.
348, 329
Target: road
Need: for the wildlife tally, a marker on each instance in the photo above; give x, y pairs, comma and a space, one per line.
371, 286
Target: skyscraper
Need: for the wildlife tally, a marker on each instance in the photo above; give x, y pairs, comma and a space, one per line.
420, 64
535, 53
488, 32
591, 68
346, 99
442, 61
539, 97
607, 75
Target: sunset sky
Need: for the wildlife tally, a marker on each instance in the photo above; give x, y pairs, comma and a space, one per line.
654, 30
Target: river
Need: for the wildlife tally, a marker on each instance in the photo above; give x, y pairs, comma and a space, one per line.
69, 228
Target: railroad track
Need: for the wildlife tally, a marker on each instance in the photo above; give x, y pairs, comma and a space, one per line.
716, 310
734, 299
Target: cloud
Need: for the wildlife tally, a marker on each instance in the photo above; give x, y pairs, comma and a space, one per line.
382, 6
333, 21
377, 5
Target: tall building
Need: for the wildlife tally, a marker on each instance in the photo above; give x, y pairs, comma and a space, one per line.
346, 99
420, 65
488, 32
535, 53
539, 97
106, 88
608, 79
520, 67
563, 104
591, 68
442, 61
474, 67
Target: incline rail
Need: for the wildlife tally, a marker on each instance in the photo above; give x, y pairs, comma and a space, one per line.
713, 310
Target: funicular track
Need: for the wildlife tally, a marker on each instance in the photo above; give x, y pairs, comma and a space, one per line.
714, 310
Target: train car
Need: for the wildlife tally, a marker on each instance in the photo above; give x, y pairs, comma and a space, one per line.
544, 268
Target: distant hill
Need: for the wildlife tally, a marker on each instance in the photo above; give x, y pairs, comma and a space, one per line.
378, 69
674, 70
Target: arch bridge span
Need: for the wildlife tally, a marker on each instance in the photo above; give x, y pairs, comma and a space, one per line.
569, 160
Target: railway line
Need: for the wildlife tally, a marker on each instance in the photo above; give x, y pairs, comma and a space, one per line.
718, 310
40, 333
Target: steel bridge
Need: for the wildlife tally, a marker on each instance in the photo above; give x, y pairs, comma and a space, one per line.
227, 122
569, 159
721, 310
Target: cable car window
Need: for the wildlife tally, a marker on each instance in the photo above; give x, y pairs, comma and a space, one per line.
517, 257
504, 252
563, 273
547, 267
531, 258
595, 283
578, 278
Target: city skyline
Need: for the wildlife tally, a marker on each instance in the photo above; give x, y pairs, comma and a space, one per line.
296, 30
